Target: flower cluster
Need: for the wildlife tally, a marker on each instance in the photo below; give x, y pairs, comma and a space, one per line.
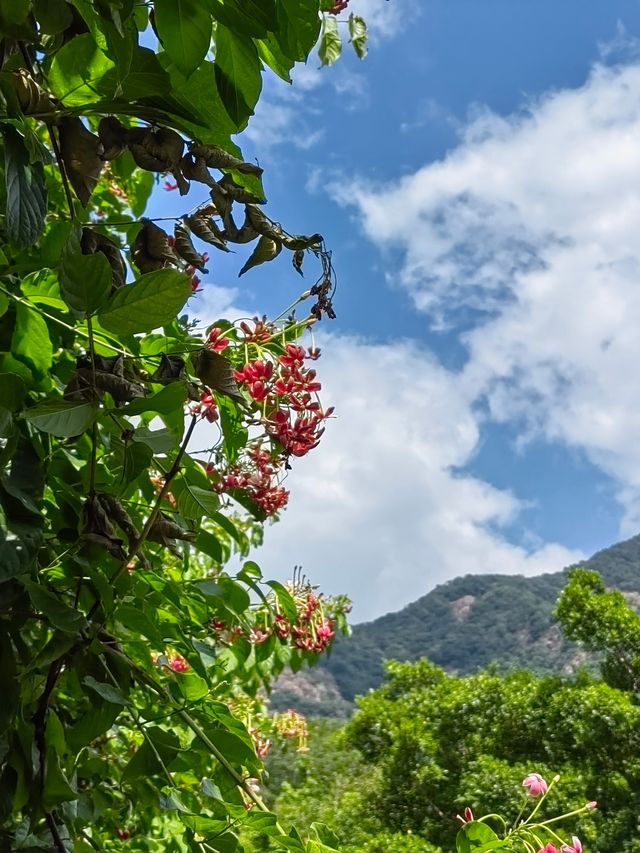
312, 630
207, 408
291, 724
287, 391
257, 476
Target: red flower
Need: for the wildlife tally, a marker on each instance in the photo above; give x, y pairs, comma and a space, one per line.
215, 342
169, 187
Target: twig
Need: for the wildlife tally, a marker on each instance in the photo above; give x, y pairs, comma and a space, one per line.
55, 835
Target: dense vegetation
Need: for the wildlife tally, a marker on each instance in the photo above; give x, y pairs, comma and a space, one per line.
426, 745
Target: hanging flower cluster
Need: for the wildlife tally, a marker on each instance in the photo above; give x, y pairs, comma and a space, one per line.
292, 725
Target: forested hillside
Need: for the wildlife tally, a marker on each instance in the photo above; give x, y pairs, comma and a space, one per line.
463, 626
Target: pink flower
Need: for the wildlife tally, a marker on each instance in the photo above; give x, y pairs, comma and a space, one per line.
548, 849
591, 805
536, 785
178, 664
574, 847
468, 816
169, 186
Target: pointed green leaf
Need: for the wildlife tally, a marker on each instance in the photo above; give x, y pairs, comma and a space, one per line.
78, 70
184, 29
193, 501
26, 194
60, 615
31, 343
63, 418
107, 691
85, 280
152, 301
171, 397
238, 74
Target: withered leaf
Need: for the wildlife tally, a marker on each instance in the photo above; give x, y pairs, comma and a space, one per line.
266, 250
93, 241
299, 241
96, 527
297, 260
164, 531
171, 367
262, 224
79, 151
158, 150
215, 371
151, 249
31, 97
206, 229
238, 193
239, 235
185, 248
218, 158
113, 138
195, 169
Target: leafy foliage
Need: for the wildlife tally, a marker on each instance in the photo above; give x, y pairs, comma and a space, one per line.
427, 745
131, 660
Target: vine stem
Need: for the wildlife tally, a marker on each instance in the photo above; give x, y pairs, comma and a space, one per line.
137, 545
55, 835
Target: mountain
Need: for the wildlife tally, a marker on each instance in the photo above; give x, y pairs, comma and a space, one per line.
463, 625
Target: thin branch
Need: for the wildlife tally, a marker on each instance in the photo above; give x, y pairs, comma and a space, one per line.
55, 835
137, 545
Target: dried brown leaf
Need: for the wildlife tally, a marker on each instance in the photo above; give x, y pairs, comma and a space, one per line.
215, 371
79, 151
266, 250
185, 248
218, 158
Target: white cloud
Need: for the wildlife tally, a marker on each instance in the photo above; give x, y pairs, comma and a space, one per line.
376, 510
529, 228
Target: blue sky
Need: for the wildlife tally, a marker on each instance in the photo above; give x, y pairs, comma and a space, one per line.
478, 180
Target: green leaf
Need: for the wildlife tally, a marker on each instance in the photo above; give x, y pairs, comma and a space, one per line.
152, 301
171, 397
271, 54
94, 723
192, 686
193, 501
56, 786
359, 34
4, 304
107, 691
42, 288
63, 418
184, 29
145, 762
26, 194
85, 280
78, 70
158, 440
31, 343
60, 615
53, 16
330, 42
476, 837
170, 800
251, 17
209, 545
238, 74
12, 391
299, 27
14, 11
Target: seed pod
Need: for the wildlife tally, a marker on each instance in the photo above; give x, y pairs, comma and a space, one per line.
79, 152
113, 138
185, 248
266, 250
218, 158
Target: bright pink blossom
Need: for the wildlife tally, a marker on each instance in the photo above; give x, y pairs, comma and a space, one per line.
535, 783
574, 847
215, 341
548, 849
178, 664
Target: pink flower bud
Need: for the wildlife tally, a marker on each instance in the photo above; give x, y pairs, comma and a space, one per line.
536, 784
592, 805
